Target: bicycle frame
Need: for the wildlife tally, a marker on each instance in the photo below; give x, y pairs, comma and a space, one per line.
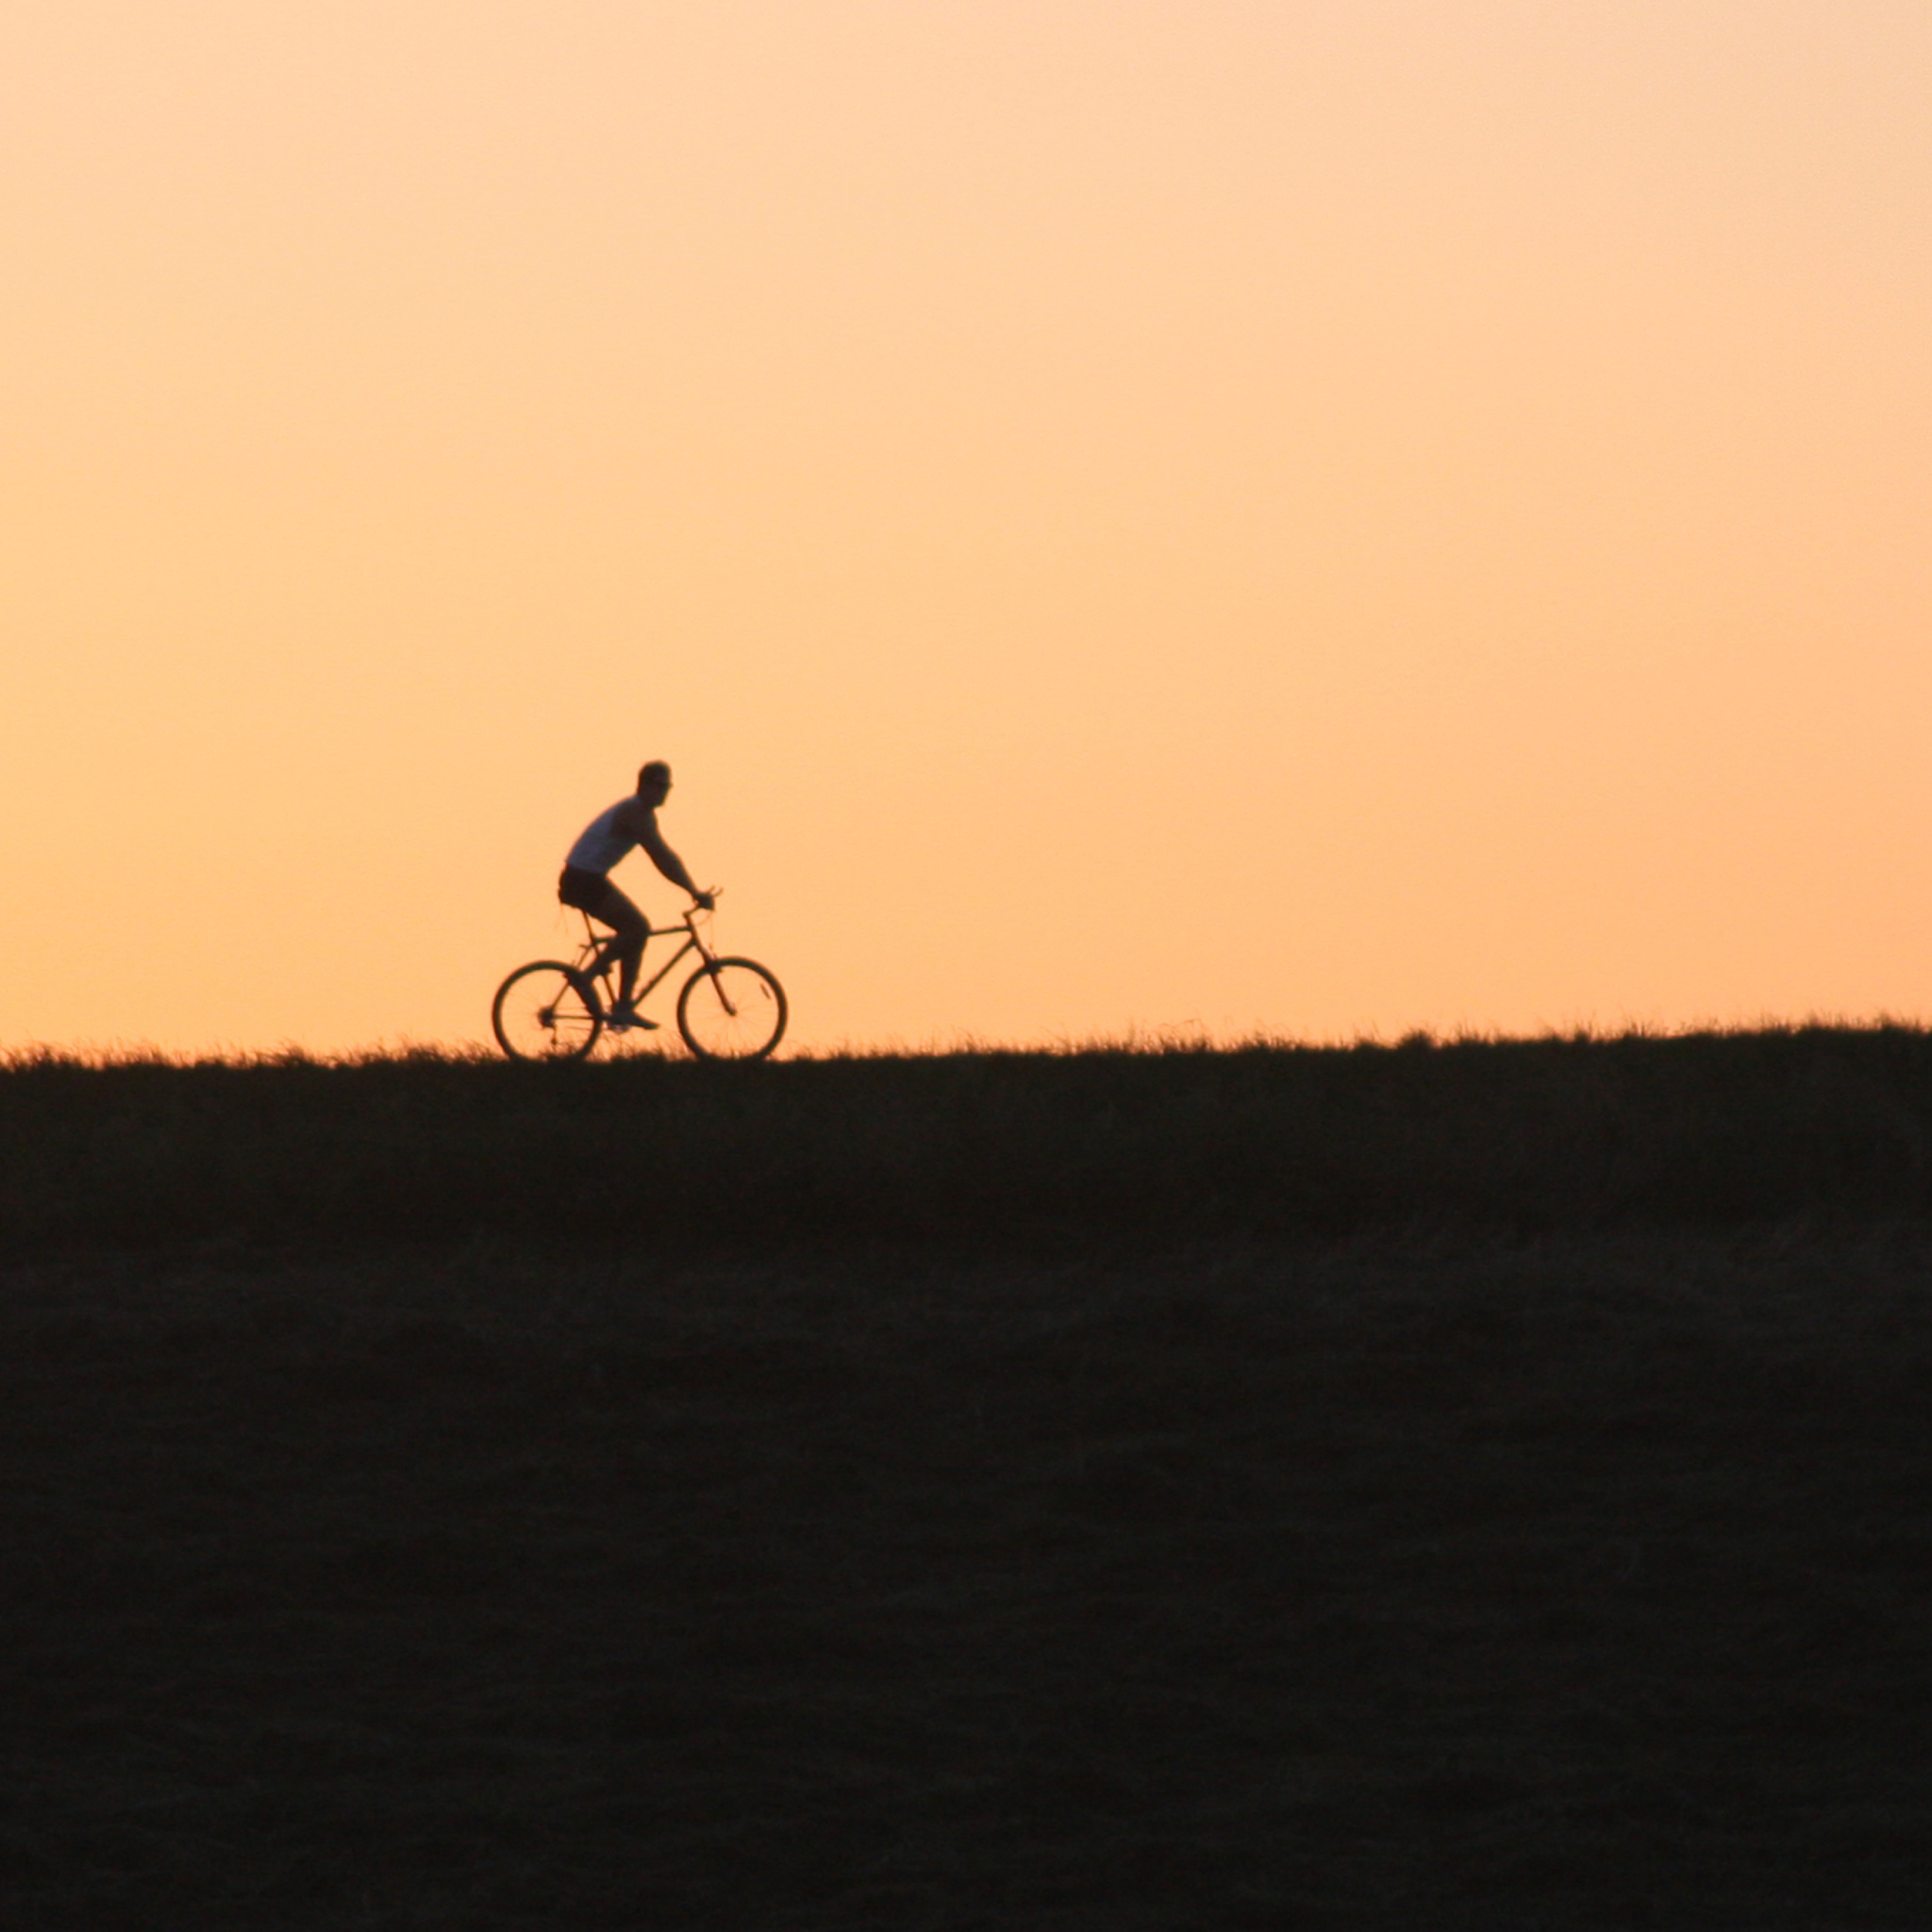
598, 974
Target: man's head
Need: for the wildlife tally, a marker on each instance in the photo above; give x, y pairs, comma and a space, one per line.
654, 781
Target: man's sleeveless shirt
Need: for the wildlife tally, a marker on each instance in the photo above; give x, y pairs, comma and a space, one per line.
601, 844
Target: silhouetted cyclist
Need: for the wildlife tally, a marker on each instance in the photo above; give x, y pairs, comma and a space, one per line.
586, 882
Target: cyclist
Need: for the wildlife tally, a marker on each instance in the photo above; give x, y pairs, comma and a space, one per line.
586, 881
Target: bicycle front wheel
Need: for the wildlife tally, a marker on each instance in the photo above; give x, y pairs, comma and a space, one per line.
546, 1011
731, 1009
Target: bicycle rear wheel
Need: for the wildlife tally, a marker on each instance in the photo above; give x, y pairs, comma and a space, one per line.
546, 1011
731, 1009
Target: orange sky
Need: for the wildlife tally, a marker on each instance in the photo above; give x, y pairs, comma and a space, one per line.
1319, 517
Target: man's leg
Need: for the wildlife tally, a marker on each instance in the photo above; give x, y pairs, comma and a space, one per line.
630, 928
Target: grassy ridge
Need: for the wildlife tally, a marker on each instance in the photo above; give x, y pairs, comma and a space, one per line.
1387, 1493
1530, 1135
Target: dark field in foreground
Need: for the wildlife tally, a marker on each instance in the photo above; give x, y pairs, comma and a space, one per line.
970, 1149
1483, 1484
1419, 1581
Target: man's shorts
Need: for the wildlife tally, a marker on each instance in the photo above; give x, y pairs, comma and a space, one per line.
586, 891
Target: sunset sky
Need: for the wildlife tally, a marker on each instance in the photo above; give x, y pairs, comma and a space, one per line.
1319, 517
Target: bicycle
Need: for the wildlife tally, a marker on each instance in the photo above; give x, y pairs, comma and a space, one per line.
728, 1010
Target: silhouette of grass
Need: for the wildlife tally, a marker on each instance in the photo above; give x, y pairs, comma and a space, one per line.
1477, 1486
970, 1148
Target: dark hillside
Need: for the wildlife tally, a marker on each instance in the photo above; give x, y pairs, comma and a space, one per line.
1581, 1582
1477, 1486
969, 1148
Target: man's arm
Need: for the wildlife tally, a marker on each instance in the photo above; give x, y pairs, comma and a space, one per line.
666, 860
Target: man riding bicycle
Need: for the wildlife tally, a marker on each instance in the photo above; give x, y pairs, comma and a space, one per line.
586, 883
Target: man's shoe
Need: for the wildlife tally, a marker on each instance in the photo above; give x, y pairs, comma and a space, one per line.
621, 1019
